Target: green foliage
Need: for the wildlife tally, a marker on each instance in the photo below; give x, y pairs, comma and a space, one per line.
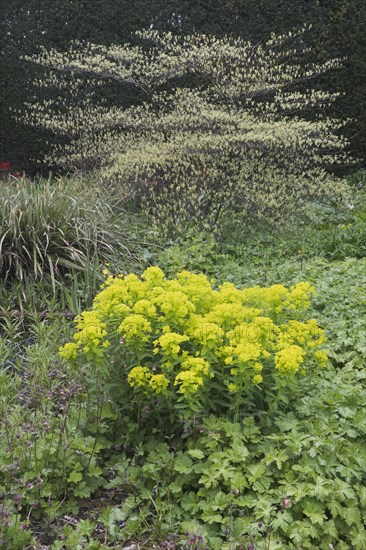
293, 476
55, 236
66, 291
341, 307
234, 140
252, 253
78, 536
28, 300
50, 435
358, 179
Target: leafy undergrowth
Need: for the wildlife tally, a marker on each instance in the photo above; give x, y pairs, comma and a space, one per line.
77, 472
291, 479
81, 470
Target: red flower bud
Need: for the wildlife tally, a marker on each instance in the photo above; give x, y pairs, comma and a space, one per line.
5, 165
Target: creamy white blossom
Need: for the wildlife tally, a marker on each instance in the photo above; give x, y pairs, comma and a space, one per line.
233, 140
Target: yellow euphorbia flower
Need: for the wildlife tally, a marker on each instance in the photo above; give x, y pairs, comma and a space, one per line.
289, 359
139, 377
159, 383
191, 332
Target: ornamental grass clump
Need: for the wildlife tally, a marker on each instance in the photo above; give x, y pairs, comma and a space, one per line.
57, 227
182, 345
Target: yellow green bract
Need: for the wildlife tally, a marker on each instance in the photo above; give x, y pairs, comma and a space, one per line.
177, 336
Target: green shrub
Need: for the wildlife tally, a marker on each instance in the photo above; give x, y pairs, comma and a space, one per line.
179, 346
234, 139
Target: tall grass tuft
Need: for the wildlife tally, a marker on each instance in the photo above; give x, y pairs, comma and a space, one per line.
54, 228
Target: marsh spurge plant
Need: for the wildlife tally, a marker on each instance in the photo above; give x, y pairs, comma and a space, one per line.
181, 345
222, 127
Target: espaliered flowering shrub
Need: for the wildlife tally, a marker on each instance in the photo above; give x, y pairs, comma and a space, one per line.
193, 345
224, 127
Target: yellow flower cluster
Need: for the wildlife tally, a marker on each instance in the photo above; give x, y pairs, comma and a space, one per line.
289, 359
179, 334
188, 382
158, 383
277, 298
192, 376
174, 305
144, 307
204, 333
169, 343
139, 376
69, 351
142, 377
296, 332
91, 336
321, 357
135, 326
